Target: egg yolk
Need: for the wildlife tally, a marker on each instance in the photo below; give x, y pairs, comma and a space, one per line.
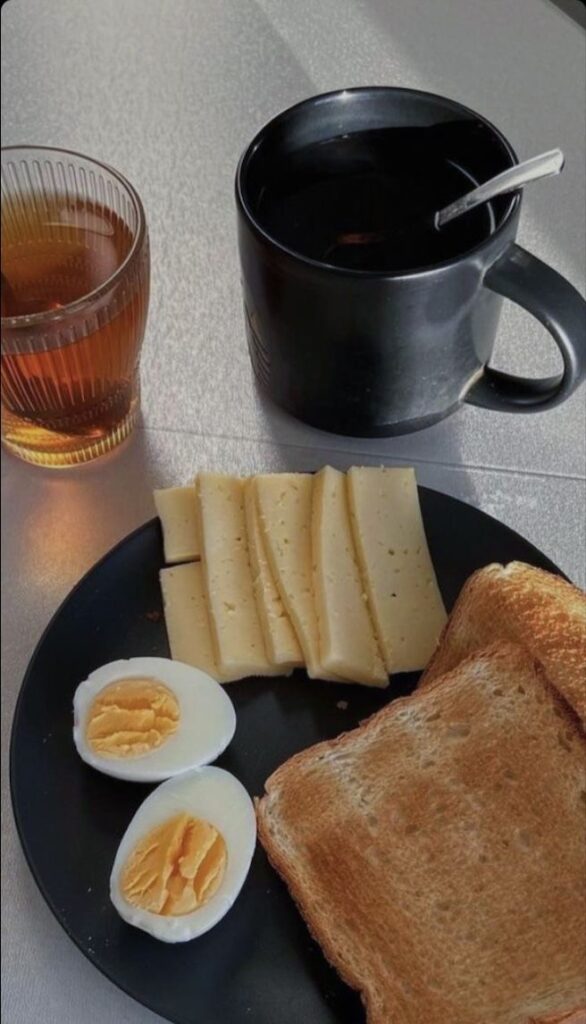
176, 868
131, 717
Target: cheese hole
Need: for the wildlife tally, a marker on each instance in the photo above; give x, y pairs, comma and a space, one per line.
131, 717
176, 868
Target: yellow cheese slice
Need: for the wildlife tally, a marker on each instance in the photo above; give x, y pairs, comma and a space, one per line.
398, 574
284, 506
347, 643
236, 630
280, 639
177, 512
186, 618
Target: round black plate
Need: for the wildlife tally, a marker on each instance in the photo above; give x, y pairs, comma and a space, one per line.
259, 964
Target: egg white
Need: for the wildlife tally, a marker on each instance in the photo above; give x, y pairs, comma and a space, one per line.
213, 795
207, 720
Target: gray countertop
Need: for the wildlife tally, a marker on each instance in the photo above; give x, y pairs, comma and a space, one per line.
169, 91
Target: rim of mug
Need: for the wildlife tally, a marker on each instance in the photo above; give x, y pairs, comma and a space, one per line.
355, 272
78, 305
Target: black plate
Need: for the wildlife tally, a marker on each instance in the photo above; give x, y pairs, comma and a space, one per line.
259, 964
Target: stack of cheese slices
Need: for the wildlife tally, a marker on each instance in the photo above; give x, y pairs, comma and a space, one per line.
328, 571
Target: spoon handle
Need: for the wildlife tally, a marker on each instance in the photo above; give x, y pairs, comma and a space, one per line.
529, 170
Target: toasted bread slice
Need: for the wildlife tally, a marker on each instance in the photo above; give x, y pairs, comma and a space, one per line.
437, 852
528, 606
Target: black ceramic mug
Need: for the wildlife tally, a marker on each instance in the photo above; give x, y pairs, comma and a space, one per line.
378, 352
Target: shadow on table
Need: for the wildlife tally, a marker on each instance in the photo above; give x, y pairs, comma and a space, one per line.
470, 62
435, 452
72, 516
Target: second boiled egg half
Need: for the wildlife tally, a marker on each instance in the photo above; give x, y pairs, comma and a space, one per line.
185, 855
148, 719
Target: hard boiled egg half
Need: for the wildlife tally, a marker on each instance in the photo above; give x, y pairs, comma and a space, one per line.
185, 855
148, 719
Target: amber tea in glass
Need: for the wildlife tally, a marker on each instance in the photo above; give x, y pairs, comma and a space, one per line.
75, 283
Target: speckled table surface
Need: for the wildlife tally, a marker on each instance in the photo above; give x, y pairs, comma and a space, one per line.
169, 91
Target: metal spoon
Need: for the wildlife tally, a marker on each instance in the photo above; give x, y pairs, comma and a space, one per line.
521, 174
515, 177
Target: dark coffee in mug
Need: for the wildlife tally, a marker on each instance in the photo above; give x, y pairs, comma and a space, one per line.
365, 201
361, 318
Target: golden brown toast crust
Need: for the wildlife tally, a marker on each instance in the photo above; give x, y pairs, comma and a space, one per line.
525, 605
577, 1016
436, 853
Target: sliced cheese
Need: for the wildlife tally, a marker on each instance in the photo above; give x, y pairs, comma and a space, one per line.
236, 630
398, 574
280, 639
186, 618
347, 643
177, 512
284, 506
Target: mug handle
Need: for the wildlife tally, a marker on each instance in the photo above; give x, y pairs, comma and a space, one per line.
520, 276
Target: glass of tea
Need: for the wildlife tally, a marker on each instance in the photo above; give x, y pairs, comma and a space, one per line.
75, 288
